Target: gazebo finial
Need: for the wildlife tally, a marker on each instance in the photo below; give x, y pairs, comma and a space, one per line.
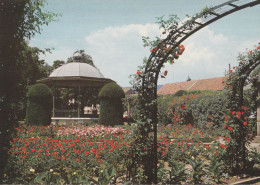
77, 57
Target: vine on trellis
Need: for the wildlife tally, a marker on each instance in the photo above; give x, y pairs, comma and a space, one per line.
145, 83
145, 80
237, 117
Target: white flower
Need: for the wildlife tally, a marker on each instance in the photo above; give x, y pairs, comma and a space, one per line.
32, 170
192, 158
51, 170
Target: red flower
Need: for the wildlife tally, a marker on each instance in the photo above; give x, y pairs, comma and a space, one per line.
227, 139
230, 71
230, 128
138, 72
33, 150
258, 47
222, 145
77, 159
86, 153
24, 157
245, 118
234, 67
163, 153
245, 123
250, 51
47, 153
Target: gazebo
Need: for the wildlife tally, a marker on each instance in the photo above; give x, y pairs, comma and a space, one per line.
77, 75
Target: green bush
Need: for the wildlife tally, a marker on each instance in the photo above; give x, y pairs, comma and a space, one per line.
164, 103
39, 105
208, 107
180, 93
111, 108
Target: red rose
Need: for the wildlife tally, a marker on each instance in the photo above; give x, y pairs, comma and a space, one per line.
230, 128
138, 72
250, 51
245, 123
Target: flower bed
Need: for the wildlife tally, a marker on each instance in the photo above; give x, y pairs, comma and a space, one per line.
105, 155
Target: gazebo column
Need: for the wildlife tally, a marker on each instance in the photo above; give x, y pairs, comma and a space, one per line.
53, 101
79, 103
53, 106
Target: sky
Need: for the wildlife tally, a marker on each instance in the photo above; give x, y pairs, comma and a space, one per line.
111, 32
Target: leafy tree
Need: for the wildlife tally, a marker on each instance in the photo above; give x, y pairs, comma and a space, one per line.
19, 20
85, 58
57, 63
35, 69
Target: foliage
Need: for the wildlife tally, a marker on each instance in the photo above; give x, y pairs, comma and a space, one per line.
236, 121
111, 108
145, 81
103, 155
19, 20
39, 105
215, 169
203, 108
197, 170
85, 58
111, 91
57, 63
48, 155
35, 70
180, 93
176, 173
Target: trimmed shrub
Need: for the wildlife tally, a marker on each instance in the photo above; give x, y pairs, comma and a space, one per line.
39, 105
111, 108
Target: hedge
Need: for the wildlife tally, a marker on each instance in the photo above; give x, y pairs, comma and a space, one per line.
39, 105
111, 108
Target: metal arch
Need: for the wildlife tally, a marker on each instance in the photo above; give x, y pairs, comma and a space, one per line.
155, 62
200, 21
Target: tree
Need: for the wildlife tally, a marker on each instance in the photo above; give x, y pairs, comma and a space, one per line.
85, 58
34, 70
19, 20
57, 63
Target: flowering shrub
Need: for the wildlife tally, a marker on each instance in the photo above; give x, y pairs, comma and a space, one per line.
92, 132
35, 151
236, 121
102, 154
207, 108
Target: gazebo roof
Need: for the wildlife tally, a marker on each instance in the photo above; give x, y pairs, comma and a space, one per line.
77, 69
76, 74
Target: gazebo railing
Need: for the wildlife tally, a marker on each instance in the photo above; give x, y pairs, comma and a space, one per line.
72, 113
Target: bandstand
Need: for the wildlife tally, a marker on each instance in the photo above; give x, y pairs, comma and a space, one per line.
80, 77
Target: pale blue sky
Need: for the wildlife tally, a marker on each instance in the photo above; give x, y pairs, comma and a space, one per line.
110, 31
